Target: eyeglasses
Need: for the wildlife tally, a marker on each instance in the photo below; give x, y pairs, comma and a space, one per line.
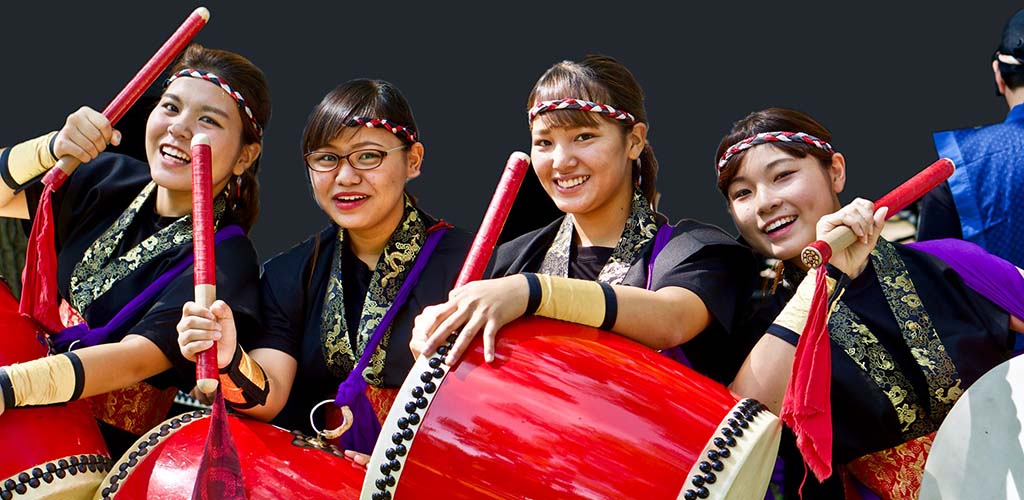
360, 159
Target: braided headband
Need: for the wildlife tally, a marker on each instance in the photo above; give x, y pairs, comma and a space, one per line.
216, 80
579, 104
768, 137
394, 128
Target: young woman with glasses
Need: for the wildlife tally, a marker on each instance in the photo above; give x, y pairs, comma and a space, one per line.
330, 297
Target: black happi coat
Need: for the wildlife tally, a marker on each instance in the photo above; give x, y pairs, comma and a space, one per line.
88, 203
294, 284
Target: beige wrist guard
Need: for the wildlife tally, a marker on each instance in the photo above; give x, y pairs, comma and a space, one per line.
794, 315
28, 160
590, 303
45, 381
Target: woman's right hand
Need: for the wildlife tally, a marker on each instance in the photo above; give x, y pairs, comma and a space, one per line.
200, 327
85, 135
866, 223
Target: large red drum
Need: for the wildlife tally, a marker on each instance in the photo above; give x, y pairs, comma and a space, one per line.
276, 464
50, 451
566, 412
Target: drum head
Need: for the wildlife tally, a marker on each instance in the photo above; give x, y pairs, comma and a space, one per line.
979, 449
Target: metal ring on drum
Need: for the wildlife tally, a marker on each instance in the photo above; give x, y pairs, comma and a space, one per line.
335, 433
978, 451
569, 412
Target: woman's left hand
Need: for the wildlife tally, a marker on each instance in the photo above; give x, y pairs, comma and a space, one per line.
359, 458
484, 305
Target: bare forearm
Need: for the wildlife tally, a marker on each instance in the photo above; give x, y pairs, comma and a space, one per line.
280, 372
660, 319
108, 367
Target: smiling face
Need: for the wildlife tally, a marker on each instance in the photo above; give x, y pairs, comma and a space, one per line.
776, 199
586, 170
366, 200
190, 106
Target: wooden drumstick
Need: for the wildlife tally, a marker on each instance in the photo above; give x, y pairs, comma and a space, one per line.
494, 220
819, 252
205, 267
139, 83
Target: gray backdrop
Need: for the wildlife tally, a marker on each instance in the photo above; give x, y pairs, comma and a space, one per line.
882, 76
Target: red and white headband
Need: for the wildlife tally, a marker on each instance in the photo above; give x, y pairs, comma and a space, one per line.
216, 80
769, 137
394, 128
581, 105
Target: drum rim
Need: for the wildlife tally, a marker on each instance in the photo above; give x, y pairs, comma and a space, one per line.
57, 470
108, 487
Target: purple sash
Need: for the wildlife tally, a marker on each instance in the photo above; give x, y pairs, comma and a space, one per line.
86, 336
362, 436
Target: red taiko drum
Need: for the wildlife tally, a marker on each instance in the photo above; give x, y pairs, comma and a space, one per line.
49, 451
163, 464
566, 412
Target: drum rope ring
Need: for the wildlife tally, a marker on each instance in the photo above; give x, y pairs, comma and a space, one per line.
335, 433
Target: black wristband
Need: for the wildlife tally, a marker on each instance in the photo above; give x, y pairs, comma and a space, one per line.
536, 294
7, 389
236, 360
76, 363
611, 306
5, 171
49, 147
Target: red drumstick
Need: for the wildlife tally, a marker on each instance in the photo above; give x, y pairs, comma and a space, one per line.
819, 252
139, 83
494, 219
205, 268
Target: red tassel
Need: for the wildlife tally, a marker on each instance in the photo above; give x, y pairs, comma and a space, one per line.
807, 407
220, 470
39, 298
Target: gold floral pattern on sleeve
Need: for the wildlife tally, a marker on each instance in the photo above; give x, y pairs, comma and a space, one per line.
916, 417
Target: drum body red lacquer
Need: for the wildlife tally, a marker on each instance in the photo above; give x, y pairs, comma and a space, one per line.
162, 465
567, 411
52, 451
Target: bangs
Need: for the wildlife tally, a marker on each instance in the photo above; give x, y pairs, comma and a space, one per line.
329, 119
569, 80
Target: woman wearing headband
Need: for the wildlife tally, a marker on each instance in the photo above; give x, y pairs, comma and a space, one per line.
611, 261
123, 225
340, 305
908, 334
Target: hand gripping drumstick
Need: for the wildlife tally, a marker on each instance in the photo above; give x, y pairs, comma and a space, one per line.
494, 220
205, 268
138, 84
819, 252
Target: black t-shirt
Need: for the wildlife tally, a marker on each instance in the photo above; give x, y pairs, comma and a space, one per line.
698, 257
586, 263
90, 201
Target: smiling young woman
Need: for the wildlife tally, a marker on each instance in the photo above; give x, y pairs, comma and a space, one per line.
908, 333
600, 264
325, 300
120, 224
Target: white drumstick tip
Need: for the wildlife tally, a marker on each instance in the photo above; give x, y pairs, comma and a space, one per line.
202, 12
200, 139
519, 155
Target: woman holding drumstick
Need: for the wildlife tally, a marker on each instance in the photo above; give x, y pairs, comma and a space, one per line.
612, 261
908, 336
121, 224
333, 307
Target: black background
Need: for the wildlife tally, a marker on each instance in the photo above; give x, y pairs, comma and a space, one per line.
881, 75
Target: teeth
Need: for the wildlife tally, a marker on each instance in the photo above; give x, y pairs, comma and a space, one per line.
779, 223
349, 198
575, 181
175, 153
